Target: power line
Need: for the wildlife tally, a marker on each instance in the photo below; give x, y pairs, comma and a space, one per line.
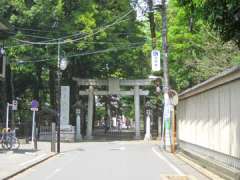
33, 30
77, 33
66, 40
88, 42
119, 20
30, 35
76, 55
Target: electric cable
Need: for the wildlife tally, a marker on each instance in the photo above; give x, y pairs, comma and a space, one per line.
30, 35
119, 20
88, 42
56, 39
76, 55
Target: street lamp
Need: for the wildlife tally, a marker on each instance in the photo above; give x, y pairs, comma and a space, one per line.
62, 65
157, 82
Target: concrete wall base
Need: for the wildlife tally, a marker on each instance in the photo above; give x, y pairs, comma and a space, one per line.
216, 167
66, 135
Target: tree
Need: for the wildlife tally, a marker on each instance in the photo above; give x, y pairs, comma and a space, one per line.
196, 53
106, 31
224, 16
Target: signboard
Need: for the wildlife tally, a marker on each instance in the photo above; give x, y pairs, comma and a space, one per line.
157, 2
156, 66
14, 105
114, 86
34, 105
167, 111
174, 100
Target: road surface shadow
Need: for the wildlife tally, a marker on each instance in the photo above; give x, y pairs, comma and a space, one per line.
24, 151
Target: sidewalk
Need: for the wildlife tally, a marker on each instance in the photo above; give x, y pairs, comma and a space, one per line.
12, 162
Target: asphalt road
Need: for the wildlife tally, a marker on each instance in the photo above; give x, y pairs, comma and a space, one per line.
110, 161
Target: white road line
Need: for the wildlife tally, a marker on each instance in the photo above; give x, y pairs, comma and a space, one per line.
122, 148
118, 148
178, 171
53, 174
32, 160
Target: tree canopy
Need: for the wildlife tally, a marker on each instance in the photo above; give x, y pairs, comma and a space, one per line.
103, 39
223, 16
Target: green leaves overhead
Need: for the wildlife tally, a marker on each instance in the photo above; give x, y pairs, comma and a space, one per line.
224, 16
196, 51
96, 34
93, 33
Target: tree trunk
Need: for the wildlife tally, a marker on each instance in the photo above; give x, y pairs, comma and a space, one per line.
52, 87
38, 84
9, 92
3, 100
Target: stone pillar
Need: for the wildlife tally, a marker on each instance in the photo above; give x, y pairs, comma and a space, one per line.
90, 113
137, 112
159, 128
148, 135
78, 125
65, 107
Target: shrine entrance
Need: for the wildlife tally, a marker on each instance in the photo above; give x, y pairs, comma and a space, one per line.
110, 87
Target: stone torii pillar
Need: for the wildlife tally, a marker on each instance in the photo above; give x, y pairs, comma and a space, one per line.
137, 112
90, 113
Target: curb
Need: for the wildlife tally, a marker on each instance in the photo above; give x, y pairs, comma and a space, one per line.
28, 167
209, 166
198, 167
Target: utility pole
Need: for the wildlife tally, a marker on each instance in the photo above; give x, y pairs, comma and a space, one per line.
166, 114
165, 45
154, 46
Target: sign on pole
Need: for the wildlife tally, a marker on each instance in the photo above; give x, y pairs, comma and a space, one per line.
157, 2
174, 100
156, 65
14, 105
34, 105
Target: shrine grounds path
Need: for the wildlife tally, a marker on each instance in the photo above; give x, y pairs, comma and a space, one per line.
116, 160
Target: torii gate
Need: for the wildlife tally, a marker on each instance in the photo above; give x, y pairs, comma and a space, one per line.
113, 89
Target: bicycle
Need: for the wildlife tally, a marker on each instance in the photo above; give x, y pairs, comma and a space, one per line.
9, 140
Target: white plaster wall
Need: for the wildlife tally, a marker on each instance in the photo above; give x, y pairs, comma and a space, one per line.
235, 119
211, 119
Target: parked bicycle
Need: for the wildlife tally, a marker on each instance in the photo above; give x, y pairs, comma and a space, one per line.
9, 140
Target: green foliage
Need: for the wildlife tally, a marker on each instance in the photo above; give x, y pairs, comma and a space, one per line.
110, 46
196, 53
118, 46
224, 16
